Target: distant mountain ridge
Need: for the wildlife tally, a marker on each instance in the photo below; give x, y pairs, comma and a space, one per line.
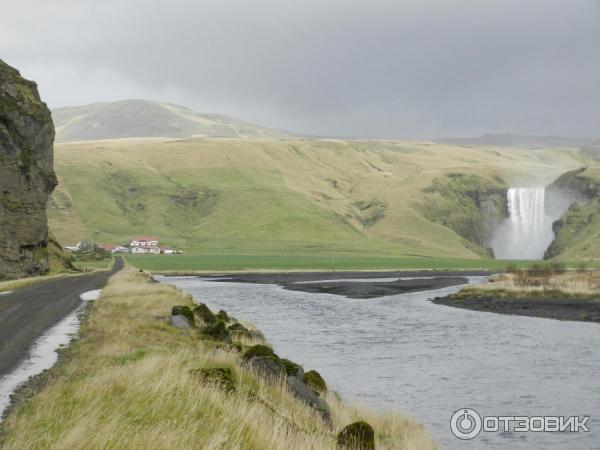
519, 140
145, 118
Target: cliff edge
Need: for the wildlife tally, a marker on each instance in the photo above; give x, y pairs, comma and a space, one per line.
26, 176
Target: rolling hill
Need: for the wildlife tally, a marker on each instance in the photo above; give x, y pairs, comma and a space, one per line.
144, 118
525, 141
283, 196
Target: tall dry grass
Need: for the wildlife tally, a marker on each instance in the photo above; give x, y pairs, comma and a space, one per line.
128, 383
570, 283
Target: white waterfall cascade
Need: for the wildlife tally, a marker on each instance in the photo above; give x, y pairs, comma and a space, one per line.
527, 232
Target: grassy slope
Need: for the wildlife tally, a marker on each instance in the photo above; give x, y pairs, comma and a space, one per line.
579, 232
144, 118
128, 383
281, 198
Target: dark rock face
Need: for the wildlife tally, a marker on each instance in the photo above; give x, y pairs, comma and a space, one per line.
26, 176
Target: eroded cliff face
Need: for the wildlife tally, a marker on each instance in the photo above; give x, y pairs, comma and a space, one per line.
577, 232
26, 176
470, 205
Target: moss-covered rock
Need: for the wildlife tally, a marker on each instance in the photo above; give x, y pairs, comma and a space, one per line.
293, 369
237, 327
217, 331
306, 395
185, 311
315, 381
268, 367
357, 436
180, 322
222, 315
204, 314
259, 350
221, 376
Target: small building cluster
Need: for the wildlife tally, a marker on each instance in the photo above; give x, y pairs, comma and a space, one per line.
138, 245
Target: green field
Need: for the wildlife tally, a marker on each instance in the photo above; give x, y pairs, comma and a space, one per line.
235, 262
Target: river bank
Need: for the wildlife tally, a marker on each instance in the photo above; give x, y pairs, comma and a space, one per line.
542, 291
134, 380
549, 306
355, 284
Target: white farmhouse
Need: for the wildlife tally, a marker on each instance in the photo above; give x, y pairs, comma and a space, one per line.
144, 244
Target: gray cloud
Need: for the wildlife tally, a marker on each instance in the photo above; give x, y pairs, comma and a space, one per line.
373, 68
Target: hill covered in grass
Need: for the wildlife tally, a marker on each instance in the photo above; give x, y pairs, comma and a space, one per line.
578, 231
525, 141
290, 196
144, 118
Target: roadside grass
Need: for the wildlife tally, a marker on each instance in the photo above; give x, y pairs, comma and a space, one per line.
262, 262
11, 285
129, 382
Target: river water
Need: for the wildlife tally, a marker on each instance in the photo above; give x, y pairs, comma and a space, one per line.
405, 353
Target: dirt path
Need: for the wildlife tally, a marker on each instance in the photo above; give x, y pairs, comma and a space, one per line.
27, 313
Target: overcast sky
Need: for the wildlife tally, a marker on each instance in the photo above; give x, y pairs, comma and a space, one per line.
373, 68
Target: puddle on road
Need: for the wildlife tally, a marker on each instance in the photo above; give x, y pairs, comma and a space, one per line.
43, 354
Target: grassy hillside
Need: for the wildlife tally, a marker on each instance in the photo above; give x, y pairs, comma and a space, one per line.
144, 118
282, 197
578, 231
133, 381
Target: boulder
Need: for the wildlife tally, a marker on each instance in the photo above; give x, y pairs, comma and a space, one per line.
205, 315
222, 315
259, 350
237, 327
26, 176
267, 367
357, 436
238, 330
216, 331
182, 310
306, 395
293, 369
180, 322
315, 381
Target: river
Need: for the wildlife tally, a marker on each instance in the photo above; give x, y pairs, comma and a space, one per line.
405, 353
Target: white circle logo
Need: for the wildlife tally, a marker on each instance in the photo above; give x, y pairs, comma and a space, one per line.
465, 423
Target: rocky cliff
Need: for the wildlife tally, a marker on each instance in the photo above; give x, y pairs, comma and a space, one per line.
470, 205
577, 232
26, 176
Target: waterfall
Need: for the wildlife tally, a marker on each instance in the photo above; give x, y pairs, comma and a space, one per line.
527, 232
